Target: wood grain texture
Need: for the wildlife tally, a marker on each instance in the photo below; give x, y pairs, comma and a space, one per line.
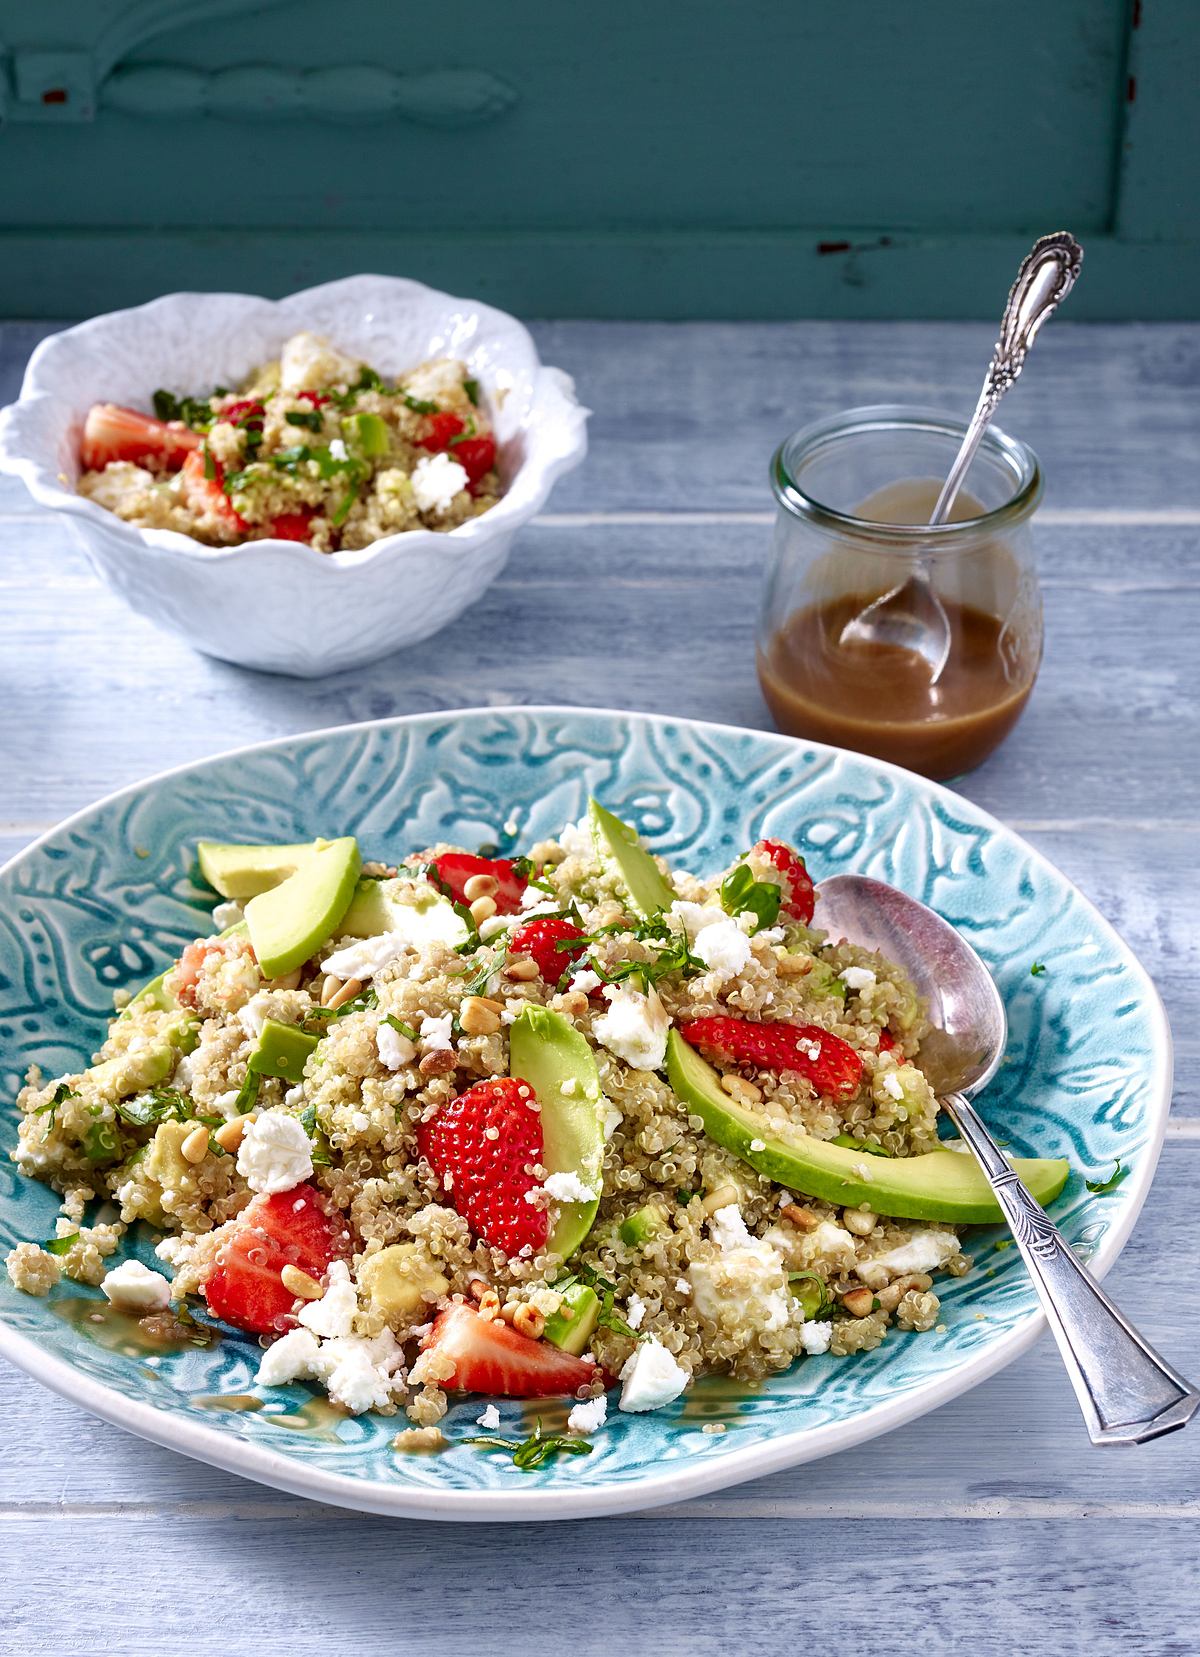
989, 1524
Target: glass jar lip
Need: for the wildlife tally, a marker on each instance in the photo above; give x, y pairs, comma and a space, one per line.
1016, 456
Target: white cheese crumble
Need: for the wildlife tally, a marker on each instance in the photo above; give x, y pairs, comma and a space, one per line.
395, 1050
490, 1419
337, 449
815, 1338
227, 914
589, 1417
436, 1033
634, 1027
132, 1287
291, 1358
333, 1314
254, 1015
436, 479
585, 980
925, 1251
724, 948
275, 1153
568, 1187
612, 1119
892, 1085
355, 1371
635, 1311
309, 363
650, 1378
747, 1275
857, 978
365, 956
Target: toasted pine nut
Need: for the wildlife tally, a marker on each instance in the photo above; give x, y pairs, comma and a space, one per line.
489, 1304
477, 1288
229, 1135
480, 886
482, 910
574, 1003
329, 989
803, 1218
722, 1197
740, 1089
477, 1017
300, 1284
793, 966
527, 1320
858, 1302
195, 1146
521, 968
440, 1061
890, 1297
340, 997
289, 981
859, 1220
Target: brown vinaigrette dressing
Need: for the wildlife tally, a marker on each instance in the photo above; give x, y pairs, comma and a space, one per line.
131, 1336
881, 699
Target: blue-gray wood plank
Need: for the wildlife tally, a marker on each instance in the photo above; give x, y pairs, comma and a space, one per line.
989, 1523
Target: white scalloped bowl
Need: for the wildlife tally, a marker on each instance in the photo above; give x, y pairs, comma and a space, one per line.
279, 605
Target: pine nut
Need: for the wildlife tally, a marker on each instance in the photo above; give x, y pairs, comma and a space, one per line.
858, 1220
480, 886
858, 1302
439, 1062
289, 981
477, 1017
739, 1088
482, 910
793, 966
229, 1135
329, 989
723, 1197
574, 1003
300, 1284
521, 968
195, 1146
489, 1304
527, 1320
347, 993
803, 1218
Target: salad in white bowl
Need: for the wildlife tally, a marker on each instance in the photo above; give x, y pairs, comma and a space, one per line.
174, 439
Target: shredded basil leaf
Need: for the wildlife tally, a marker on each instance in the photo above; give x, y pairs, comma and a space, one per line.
536, 1450
320, 1146
1037, 969
761, 898
471, 387
1098, 1187
311, 418
248, 1093
400, 1026
50, 1109
61, 1245
419, 406
193, 411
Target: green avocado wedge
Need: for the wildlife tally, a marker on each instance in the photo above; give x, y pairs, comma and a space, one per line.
245, 871
620, 848
291, 921
376, 907
548, 1052
938, 1185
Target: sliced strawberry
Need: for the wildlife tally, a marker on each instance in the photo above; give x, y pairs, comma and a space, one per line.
454, 869
285, 1228
476, 455
318, 399
481, 1147
541, 937
798, 894
243, 412
829, 1063
439, 429
291, 526
886, 1041
491, 1357
205, 495
113, 433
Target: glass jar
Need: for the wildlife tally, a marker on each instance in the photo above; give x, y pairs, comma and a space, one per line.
878, 632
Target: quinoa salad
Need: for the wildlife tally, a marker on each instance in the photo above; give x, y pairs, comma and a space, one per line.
314, 446
572, 1124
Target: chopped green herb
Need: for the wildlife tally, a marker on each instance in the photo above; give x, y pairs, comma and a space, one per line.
50, 1109
1037, 969
311, 418
761, 898
248, 1093
160, 1104
1098, 1187
536, 1450
320, 1146
462, 436
400, 1026
342, 511
418, 406
471, 387
61, 1245
195, 412
210, 465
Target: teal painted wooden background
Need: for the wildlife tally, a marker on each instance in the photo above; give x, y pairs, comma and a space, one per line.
724, 158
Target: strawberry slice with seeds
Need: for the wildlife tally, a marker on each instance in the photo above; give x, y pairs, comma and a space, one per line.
440, 428
799, 898
206, 496
291, 526
541, 937
481, 1146
114, 433
886, 1041
454, 869
829, 1063
476, 456
286, 1228
491, 1357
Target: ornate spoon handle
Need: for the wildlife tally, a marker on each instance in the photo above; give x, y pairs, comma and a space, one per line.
1127, 1393
1046, 277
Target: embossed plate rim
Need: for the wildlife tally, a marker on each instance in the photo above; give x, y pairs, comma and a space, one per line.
679, 1481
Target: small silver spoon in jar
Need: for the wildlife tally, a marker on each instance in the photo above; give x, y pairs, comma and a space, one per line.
911, 616
1127, 1393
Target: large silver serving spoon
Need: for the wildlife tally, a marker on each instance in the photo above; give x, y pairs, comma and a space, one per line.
911, 616
1127, 1393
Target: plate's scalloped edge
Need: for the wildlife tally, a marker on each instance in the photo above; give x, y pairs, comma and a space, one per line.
683, 1481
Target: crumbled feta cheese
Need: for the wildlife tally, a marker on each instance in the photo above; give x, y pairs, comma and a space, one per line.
925, 1251
747, 1275
723, 947
132, 1287
428, 918
694, 917
651, 1378
333, 1314
395, 1050
577, 840
309, 363
490, 1419
254, 1015
634, 1027
494, 926
589, 1417
291, 1358
227, 914
635, 1311
533, 898
682, 1286
612, 1119
857, 978
892, 1085
727, 1228
568, 1187
170, 1249
275, 1153
360, 1121
585, 980
365, 957
436, 479
436, 1033
815, 1338
337, 449
358, 1372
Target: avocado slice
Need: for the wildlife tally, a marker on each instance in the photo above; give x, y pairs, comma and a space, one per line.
642, 1226
369, 433
572, 1326
282, 1050
939, 1185
376, 908
245, 871
288, 923
548, 1052
619, 846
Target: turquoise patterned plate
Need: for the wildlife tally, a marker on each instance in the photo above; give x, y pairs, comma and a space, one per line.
106, 899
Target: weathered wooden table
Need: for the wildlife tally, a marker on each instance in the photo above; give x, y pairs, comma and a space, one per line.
988, 1526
